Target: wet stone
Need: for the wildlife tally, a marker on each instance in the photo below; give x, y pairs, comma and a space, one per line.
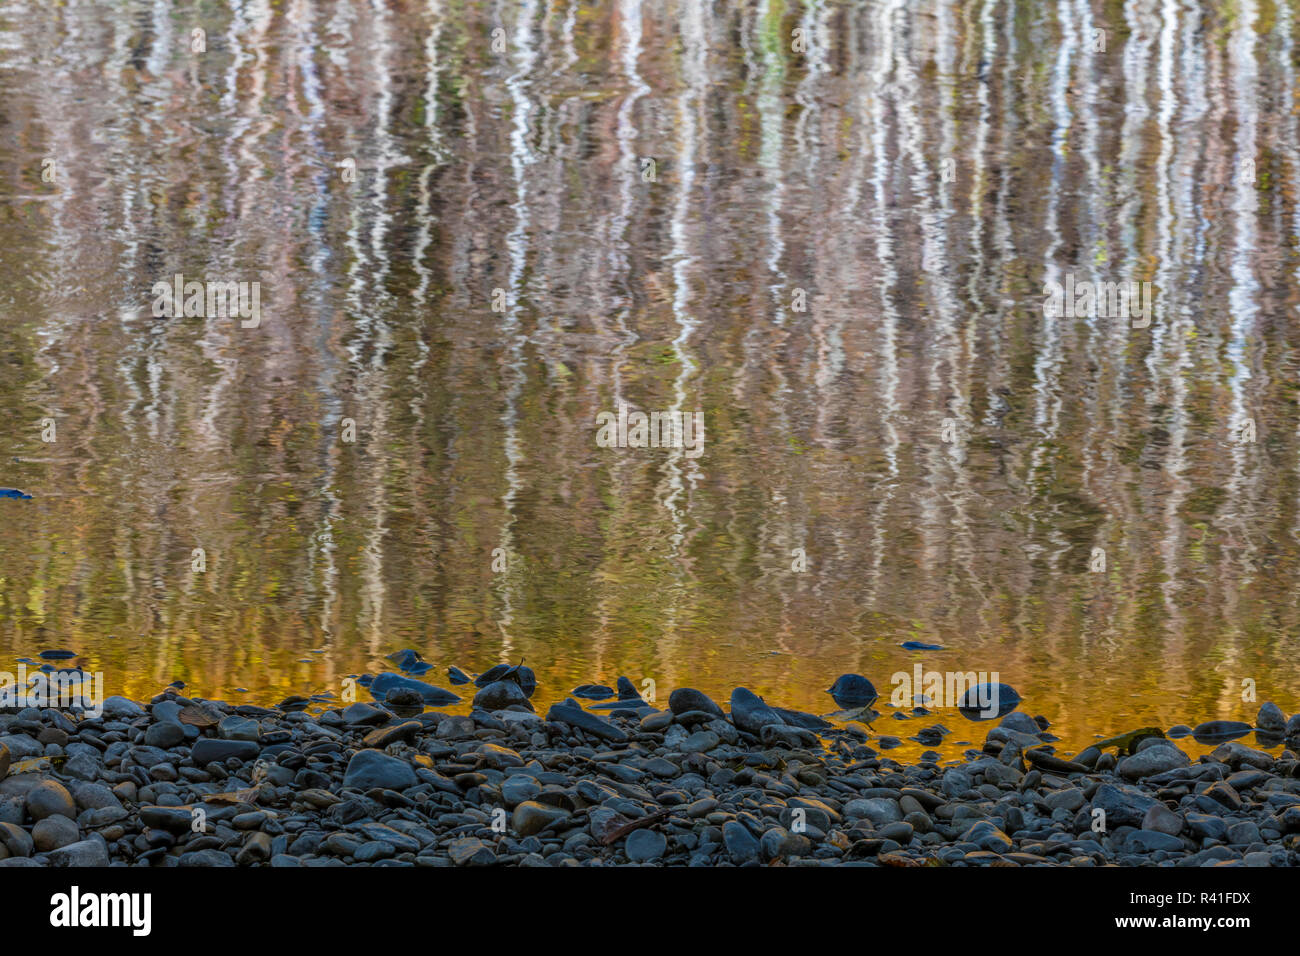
645, 845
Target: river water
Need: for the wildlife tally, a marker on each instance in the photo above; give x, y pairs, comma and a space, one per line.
827, 229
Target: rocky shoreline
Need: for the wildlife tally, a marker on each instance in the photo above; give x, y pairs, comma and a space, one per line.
182, 782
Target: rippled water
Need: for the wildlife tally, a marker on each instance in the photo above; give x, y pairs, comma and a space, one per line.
826, 227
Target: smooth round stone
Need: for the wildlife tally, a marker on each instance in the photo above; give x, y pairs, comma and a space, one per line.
164, 735
1153, 760
16, 840
531, 817
81, 854
1161, 819
211, 750
879, 810
166, 710
4, 760
779, 843
171, 819
364, 714
206, 858
54, 832
498, 757
656, 721
686, 699
1149, 841
1243, 833
900, 832
48, 799
920, 821
701, 741
1206, 826
1271, 718
239, 728
987, 837
645, 845
369, 769
1020, 722
739, 841
95, 796
750, 714
499, 695
988, 701
518, 789
852, 691
375, 850
117, 707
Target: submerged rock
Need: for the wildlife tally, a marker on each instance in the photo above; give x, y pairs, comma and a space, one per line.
645, 845
593, 691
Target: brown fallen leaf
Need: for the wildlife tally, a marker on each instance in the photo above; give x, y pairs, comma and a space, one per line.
197, 716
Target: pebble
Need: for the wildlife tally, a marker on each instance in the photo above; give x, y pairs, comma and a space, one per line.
54, 832
211, 750
531, 817
83, 853
686, 699
645, 845
471, 851
1271, 718
740, 842
49, 798
1162, 820
372, 768
1151, 761
360, 784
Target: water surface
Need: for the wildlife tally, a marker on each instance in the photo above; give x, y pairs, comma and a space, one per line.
825, 226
